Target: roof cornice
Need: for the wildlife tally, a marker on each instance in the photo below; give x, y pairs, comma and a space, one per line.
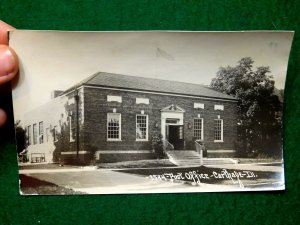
157, 92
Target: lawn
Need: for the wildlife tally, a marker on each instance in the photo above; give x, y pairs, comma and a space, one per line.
32, 186
153, 163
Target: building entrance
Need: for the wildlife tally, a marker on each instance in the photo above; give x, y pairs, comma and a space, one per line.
172, 125
175, 136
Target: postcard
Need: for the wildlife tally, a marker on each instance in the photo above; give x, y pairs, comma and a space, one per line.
149, 111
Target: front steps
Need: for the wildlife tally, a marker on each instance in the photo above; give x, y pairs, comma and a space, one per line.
192, 158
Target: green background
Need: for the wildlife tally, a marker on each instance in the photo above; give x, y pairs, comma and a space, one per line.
202, 208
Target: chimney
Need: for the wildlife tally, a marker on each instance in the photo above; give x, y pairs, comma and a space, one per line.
55, 93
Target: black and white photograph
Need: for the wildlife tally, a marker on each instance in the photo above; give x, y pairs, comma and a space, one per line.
149, 111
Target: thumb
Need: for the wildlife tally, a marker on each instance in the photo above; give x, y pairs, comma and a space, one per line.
8, 64
3, 117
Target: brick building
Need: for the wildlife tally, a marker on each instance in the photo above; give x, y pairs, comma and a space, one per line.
115, 117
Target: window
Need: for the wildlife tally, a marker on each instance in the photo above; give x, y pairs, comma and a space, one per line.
71, 101
71, 129
142, 101
55, 133
34, 134
198, 128
29, 135
172, 121
218, 130
47, 134
219, 107
112, 98
181, 132
198, 105
41, 132
113, 126
142, 127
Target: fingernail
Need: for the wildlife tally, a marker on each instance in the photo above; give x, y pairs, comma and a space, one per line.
7, 61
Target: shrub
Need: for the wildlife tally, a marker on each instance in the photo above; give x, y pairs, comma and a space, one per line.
158, 146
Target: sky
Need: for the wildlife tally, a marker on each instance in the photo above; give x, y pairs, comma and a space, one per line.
52, 60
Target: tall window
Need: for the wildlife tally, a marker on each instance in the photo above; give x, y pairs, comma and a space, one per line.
218, 130
34, 134
29, 135
198, 128
41, 132
141, 127
71, 129
113, 126
47, 134
55, 133
181, 132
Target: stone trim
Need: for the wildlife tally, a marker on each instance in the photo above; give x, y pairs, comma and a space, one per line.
74, 152
221, 151
123, 151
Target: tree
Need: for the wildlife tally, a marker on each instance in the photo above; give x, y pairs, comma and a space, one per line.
20, 136
259, 108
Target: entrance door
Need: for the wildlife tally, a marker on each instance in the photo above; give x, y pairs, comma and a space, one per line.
175, 136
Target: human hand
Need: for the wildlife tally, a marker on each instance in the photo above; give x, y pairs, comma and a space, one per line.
9, 64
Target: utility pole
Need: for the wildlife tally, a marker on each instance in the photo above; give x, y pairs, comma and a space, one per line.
77, 124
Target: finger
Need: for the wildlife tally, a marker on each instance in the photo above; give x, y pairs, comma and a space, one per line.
9, 64
3, 117
4, 27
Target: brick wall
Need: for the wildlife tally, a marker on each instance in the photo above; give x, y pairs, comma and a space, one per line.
96, 107
93, 109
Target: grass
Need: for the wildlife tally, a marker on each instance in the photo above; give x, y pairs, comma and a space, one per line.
44, 166
33, 186
259, 160
153, 163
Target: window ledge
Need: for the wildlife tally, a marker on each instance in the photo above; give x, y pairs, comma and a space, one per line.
141, 140
218, 141
113, 140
